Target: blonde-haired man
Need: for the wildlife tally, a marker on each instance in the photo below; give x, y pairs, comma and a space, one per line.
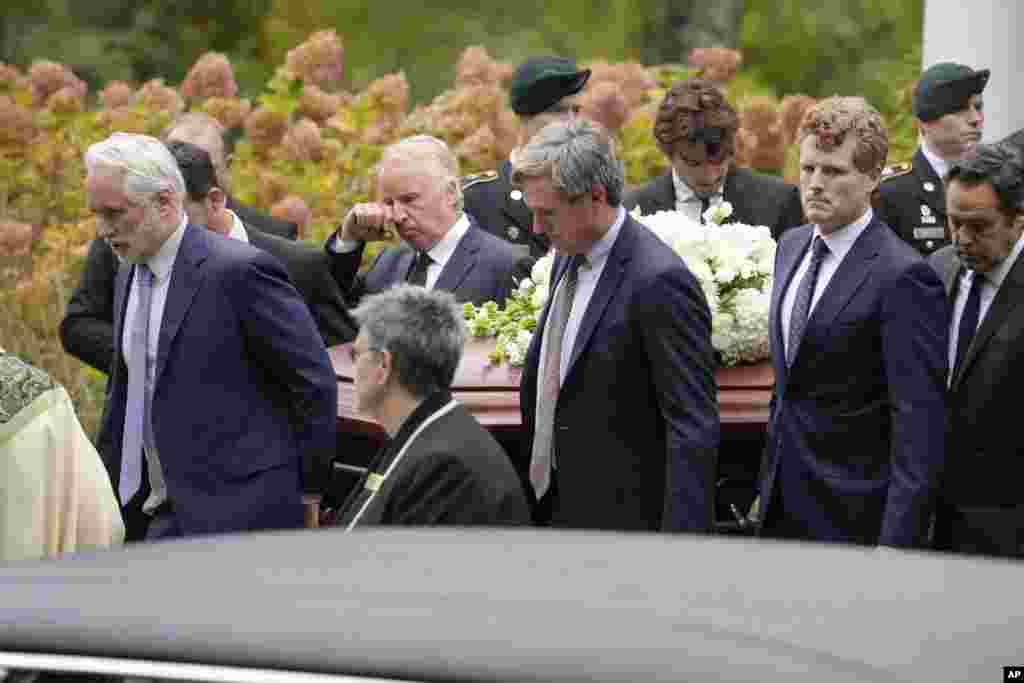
858, 330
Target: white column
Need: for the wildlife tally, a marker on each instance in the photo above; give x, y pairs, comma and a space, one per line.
983, 34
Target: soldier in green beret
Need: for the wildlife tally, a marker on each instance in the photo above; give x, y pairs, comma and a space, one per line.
948, 106
543, 89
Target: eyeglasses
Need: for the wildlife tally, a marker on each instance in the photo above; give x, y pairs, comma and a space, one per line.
355, 353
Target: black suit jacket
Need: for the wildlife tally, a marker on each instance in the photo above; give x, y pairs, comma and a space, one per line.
482, 268
756, 199
500, 209
636, 422
913, 204
452, 473
985, 462
87, 330
262, 222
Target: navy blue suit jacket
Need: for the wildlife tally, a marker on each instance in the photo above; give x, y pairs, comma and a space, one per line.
856, 431
636, 425
244, 390
482, 268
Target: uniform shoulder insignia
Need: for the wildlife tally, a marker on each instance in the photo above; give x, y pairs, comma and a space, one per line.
477, 178
896, 170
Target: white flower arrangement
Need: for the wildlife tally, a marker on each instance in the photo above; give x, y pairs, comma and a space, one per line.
513, 325
733, 264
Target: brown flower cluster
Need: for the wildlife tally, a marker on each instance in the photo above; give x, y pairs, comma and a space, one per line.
456, 115
604, 102
632, 80
12, 79
303, 142
764, 143
156, 96
124, 119
16, 123
116, 94
320, 60
211, 76
319, 105
16, 238
716, 64
265, 129
389, 94
48, 78
476, 67
479, 151
294, 209
230, 111
792, 110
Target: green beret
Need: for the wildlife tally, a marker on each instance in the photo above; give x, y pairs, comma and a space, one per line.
945, 88
540, 82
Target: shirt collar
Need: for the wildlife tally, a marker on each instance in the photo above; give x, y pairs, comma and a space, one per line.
596, 255
445, 247
939, 165
840, 241
996, 276
162, 261
238, 231
685, 194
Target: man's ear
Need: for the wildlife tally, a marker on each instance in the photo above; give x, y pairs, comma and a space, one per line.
216, 199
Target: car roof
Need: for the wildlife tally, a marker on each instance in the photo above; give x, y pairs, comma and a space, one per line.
525, 605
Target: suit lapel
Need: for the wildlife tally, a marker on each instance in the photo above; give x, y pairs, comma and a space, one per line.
949, 269
852, 273
735, 192
462, 260
664, 192
515, 209
186, 277
611, 277
1006, 301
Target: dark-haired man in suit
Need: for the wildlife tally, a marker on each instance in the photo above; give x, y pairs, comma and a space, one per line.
696, 129
442, 246
981, 503
858, 326
620, 417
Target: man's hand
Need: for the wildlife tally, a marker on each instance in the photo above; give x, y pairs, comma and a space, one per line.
311, 511
368, 223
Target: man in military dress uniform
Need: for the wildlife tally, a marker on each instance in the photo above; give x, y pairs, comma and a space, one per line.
543, 89
948, 106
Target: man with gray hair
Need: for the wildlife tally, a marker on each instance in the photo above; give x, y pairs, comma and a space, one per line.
442, 246
618, 393
440, 466
220, 384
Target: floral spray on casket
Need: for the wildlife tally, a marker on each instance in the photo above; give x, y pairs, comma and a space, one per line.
733, 263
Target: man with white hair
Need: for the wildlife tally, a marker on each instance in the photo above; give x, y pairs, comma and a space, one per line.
443, 247
220, 385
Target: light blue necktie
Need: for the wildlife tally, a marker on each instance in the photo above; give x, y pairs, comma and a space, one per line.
136, 405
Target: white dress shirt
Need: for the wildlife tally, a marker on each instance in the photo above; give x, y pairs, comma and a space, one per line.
161, 264
839, 243
439, 254
589, 275
939, 165
688, 203
237, 228
989, 288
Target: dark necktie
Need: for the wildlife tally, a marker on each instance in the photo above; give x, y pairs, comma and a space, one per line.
804, 295
705, 204
418, 272
968, 320
550, 381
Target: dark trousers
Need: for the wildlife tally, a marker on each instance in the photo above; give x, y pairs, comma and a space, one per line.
993, 531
